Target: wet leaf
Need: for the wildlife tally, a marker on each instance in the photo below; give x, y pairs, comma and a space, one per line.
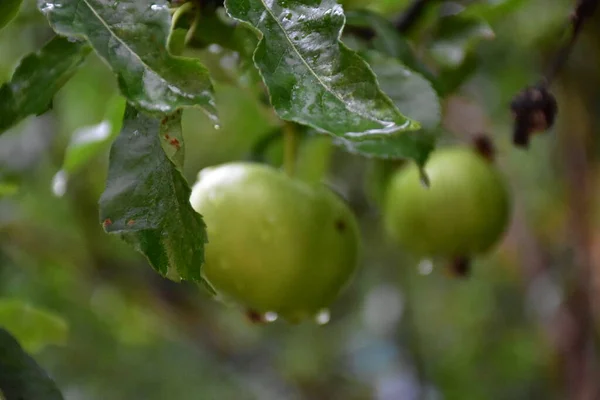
412, 93
34, 328
171, 137
131, 36
37, 78
411, 145
8, 10
313, 78
146, 200
20, 376
455, 38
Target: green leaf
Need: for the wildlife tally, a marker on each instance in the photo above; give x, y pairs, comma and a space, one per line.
492, 10
411, 93
131, 36
215, 28
34, 328
8, 10
37, 78
20, 376
313, 78
455, 38
453, 48
146, 200
171, 138
411, 145
87, 142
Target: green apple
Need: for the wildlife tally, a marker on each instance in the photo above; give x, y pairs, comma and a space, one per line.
276, 244
463, 212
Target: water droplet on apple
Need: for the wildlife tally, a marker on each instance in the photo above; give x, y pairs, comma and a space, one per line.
270, 316
424, 178
323, 317
425, 266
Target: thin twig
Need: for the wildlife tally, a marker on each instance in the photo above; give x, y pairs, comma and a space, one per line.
290, 146
584, 10
534, 108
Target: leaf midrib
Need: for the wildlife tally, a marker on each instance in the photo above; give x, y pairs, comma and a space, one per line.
328, 89
125, 44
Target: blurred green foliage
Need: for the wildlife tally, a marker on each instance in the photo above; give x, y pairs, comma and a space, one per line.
402, 330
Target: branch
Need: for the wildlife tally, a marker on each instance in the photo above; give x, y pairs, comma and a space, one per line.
534, 108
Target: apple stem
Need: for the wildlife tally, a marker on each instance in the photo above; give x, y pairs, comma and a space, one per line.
460, 267
255, 317
290, 149
484, 145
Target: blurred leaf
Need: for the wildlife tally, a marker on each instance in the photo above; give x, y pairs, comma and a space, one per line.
90, 140
8, 188
24, 149
453, 48
388, 40
244, 122
313, 78
37, 78
176, 43
8, 10
33, 328
146, 201
131, 36
492, 10
456, 36
408, 89
214, 29
452, 78
21, 378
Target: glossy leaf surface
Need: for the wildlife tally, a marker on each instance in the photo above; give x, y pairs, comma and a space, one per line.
146, 200
131, 36
313, 78
37, 78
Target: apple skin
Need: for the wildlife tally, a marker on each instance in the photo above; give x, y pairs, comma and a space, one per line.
464, 212
275, 244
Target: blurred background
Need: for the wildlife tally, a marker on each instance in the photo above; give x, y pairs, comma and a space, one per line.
521, 327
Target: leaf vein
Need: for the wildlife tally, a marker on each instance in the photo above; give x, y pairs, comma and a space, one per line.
108, 28
311, 70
